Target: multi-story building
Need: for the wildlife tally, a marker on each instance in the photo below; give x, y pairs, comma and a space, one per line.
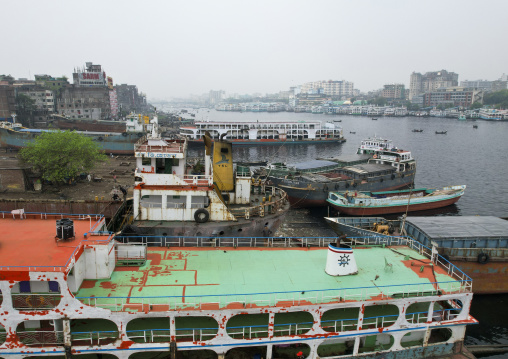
215, 97
90, 75
431, 81
51, 83
43, 99
330, 88
7, 100
91, 103
393, 91
129, 99
485, 85
456, 96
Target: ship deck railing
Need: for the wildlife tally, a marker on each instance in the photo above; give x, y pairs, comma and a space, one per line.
199, 180
272, 299
94, 337
305, 242
171, 147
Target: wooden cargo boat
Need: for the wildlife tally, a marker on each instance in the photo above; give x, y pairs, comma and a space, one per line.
378, 203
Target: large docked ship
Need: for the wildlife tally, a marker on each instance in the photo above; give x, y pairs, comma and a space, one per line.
478, 245
173, 199
15, 136
387, 170
365, 151
89, 294
265, 133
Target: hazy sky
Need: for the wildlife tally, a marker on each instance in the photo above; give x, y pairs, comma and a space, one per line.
176, 48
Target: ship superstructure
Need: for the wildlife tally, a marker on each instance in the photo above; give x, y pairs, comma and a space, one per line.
84, 291
211, 199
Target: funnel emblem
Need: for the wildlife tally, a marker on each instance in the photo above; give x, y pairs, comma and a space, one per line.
344, 260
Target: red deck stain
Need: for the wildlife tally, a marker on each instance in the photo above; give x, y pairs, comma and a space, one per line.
154, 257
88, 283
235, 306
108, 285
125, 344
127, 269
427, 272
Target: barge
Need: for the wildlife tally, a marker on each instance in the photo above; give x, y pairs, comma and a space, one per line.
13, 135
478, 245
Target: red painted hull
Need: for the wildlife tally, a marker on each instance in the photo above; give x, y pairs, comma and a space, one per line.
488, 278
374, 211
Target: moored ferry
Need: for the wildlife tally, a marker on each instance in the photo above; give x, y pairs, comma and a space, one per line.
493, 114
69, 288
265, 133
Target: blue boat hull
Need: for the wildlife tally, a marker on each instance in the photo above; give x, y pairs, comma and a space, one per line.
116, 143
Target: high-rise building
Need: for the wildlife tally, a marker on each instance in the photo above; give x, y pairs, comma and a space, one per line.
330, 88
129, 99
215, 97
394, 91
7, 100
431, 81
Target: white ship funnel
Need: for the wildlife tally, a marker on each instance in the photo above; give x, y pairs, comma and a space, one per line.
340, 261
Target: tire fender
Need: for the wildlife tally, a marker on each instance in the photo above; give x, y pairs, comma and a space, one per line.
483, 258
201, 215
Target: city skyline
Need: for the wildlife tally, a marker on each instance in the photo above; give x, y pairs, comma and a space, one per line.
179, 49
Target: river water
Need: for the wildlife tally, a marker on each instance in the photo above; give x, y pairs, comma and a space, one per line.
465, 155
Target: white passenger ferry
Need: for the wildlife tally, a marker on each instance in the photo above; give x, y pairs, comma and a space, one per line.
88, 294
265, 133
493, 114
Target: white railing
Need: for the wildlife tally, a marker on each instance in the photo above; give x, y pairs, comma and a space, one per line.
198, 179
94, 338
341, 325
379, 322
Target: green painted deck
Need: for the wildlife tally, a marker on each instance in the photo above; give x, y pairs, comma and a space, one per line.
222, 277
